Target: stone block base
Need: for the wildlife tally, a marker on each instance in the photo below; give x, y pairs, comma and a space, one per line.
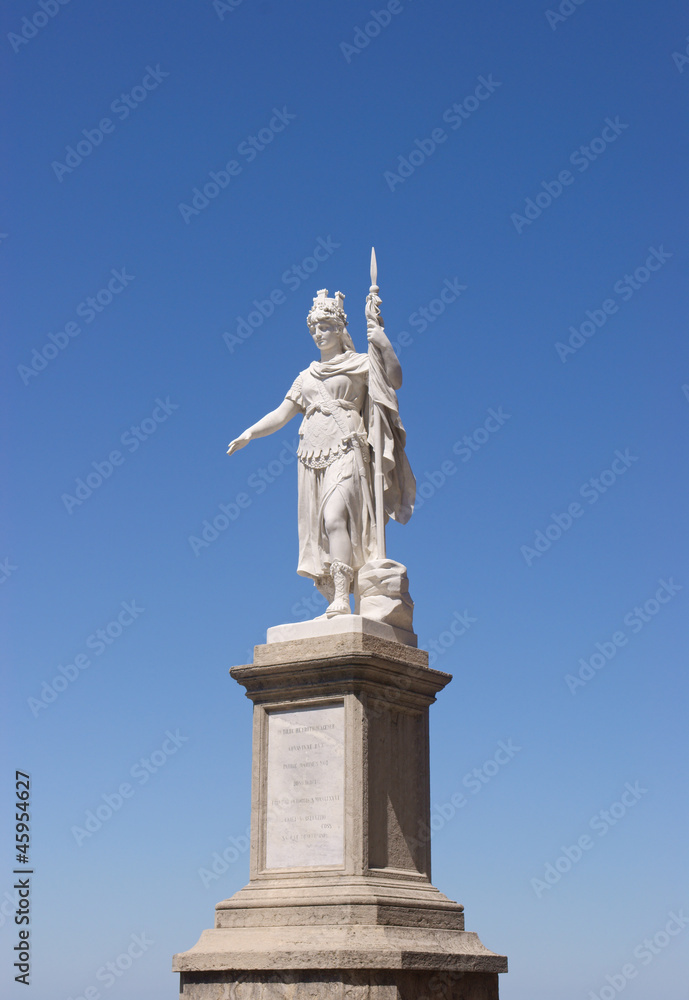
345, 984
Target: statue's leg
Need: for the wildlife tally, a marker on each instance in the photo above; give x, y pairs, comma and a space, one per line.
336, 524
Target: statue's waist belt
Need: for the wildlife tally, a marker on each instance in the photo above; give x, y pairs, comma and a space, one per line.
319, 460
327, 407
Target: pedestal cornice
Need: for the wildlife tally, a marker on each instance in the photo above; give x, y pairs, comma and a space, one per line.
334, 664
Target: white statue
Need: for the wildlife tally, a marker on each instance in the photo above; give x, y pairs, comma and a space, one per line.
350, 435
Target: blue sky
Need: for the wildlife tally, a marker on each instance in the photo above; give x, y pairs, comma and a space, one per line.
545, 190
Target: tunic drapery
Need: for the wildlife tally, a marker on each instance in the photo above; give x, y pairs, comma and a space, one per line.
335, 457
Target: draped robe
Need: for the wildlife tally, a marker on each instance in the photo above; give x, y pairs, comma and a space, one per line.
335, 457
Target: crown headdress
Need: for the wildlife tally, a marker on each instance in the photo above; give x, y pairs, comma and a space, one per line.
331, 307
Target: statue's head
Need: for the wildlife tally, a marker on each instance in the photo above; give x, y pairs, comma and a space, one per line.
330, 312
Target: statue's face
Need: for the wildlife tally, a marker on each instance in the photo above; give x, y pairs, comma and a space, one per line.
327, 333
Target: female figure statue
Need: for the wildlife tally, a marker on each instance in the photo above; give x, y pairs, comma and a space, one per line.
337, 535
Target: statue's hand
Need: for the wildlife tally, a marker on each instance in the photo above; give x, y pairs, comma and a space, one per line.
375, 332
240, 442
372, 307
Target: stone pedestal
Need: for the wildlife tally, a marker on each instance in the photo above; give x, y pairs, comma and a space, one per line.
340, 902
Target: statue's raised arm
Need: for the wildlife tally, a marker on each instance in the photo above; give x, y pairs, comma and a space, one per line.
353, 472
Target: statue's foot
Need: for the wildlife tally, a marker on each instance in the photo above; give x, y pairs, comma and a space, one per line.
333, 610
340, 606
341, 575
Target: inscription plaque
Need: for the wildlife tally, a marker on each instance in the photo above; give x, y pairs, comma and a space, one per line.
305, 788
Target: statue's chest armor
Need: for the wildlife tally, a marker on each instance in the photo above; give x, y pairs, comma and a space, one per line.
327, 421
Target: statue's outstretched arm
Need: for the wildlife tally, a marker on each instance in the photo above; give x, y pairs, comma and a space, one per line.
273, 421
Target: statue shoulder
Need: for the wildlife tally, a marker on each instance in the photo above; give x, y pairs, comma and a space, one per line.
357, 362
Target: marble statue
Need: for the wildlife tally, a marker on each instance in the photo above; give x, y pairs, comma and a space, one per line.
353, 472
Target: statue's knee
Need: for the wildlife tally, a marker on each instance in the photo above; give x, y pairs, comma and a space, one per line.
333, 524
335, 519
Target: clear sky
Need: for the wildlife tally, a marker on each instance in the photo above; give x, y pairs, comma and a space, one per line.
522, 175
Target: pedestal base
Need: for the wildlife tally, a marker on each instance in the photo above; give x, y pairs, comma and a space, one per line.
347, 911
340, 984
